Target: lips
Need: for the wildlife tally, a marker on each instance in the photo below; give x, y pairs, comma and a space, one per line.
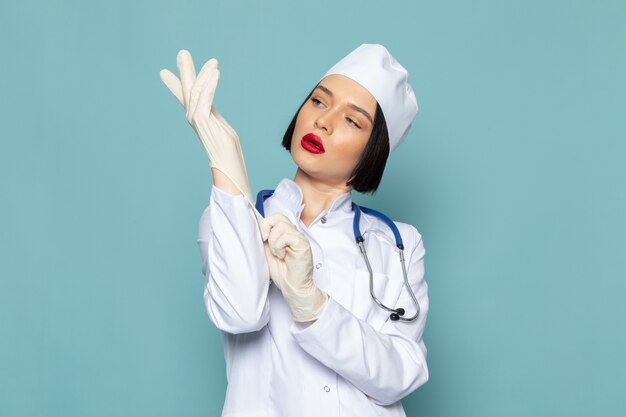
312, 143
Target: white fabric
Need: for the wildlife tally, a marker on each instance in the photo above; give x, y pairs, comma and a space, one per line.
352, 361
290, 263
372, 66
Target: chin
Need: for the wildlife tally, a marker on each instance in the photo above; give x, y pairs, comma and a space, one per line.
303, 160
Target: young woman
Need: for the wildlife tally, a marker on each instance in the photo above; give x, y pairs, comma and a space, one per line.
293, 292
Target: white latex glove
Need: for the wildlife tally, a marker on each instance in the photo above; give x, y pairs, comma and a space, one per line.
290, 262
219, 139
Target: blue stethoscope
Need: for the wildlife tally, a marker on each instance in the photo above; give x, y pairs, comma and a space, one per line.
396, 313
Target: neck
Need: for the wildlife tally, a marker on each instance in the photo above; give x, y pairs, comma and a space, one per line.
317, 195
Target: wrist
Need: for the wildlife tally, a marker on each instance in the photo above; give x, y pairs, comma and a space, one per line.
221, 181
308, 307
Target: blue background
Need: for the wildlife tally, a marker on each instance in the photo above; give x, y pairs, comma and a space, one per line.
513, 172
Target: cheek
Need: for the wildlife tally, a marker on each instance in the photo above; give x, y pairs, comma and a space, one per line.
357, 144
303, 115
350, 152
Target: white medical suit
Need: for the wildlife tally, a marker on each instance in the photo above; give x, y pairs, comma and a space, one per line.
354, 360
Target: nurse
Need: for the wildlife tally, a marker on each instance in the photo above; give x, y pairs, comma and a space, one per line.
290, 291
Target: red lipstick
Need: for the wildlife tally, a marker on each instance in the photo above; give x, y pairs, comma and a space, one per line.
312, 143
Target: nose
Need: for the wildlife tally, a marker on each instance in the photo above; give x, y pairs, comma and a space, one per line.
325, 120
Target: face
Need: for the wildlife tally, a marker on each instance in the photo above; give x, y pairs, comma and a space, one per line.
340, 113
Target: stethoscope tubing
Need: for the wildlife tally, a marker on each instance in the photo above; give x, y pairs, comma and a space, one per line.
396, 313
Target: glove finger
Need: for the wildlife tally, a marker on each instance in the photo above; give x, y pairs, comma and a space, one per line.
282, 236
278, 248
277, 251
270, 221
287, 240
187, 73
298, 242
173, 84
278, 229
205, 101
198, 85
276, 274
276, 218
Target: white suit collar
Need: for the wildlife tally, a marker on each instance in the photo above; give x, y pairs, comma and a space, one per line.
290, 195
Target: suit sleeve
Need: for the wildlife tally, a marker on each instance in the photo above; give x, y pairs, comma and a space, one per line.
234, 265
386, 364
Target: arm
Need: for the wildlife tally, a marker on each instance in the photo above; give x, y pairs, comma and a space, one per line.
234, 264
386, 365
233, 259
222, 182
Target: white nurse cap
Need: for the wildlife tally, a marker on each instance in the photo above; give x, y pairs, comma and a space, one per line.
372, 66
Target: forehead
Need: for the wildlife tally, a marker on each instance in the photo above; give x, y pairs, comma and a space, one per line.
346, 89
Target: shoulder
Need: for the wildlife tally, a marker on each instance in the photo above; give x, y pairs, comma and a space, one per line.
414, 237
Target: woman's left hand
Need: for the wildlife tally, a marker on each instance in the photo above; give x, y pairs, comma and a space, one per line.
290, 262
220, 141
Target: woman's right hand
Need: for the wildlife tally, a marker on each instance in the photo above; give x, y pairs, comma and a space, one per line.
219, 139
290, 263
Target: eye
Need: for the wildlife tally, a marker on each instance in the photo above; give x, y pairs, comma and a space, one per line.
316, 101
353, 122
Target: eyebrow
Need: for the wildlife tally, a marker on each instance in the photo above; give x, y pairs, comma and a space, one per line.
354, 106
